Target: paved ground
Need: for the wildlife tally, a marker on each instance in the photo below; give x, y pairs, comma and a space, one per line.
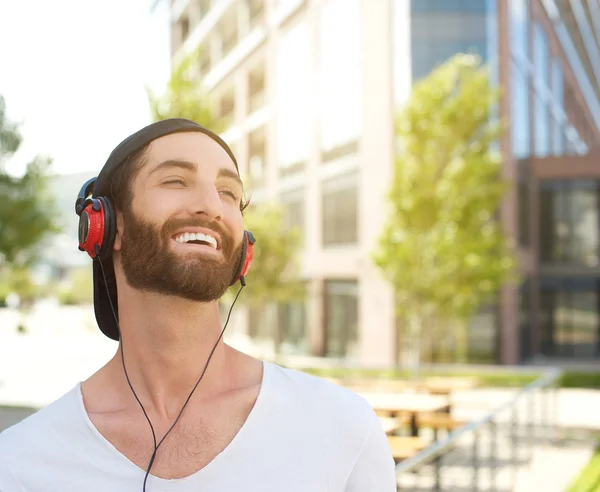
40, 366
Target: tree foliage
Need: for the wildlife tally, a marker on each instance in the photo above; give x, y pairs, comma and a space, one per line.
184, 96
274, 275
442, 248
26, 205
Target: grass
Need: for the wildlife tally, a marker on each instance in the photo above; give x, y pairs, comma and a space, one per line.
589, 478
497, 380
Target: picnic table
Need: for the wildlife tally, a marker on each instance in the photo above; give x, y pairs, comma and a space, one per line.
412, 404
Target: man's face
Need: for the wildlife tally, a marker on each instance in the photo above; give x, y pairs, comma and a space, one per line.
182, 235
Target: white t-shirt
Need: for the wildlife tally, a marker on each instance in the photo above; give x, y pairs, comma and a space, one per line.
303, 435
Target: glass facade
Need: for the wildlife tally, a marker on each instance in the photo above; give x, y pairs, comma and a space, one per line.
570, 239
552, 129
341, 318
541, 108
340, 210
570, 317
441, 29
292, 339
570, 223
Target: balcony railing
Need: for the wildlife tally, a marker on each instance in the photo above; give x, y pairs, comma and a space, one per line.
488, 453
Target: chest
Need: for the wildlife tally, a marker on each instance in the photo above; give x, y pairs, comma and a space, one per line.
197, 438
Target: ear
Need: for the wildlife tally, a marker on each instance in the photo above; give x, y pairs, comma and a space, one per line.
119, 232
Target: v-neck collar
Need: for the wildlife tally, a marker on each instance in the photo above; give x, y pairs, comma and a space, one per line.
235, 442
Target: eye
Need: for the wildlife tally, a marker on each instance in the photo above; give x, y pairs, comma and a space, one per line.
228, 193
177, 181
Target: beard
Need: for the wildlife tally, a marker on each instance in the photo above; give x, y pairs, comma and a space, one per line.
150, 265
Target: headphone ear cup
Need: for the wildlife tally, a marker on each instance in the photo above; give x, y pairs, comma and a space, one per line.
245, 259
241, 261
110, 228
248, 257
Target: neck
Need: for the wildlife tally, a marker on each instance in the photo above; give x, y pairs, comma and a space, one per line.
166, 343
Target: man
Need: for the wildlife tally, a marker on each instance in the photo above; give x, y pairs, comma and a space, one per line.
177, 409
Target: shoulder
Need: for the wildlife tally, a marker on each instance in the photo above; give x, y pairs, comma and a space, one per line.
34, 433
336, 425
323, 401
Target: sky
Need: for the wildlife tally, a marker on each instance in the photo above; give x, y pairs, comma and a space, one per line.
74, 73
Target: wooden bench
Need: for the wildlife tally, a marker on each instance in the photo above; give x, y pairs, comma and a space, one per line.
403, 447
439, 421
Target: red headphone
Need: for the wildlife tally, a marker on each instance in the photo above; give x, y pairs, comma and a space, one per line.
97, 230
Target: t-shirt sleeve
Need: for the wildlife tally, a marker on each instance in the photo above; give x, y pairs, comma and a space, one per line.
374, 470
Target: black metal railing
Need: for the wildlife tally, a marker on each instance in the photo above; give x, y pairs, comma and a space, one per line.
489, 452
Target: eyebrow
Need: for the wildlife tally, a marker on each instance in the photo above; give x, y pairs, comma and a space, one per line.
228, 173
180, 163
190, 166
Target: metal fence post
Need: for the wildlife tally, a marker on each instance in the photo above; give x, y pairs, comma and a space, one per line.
546, 396
556, 412
475, 484
437, 470
493, 449
514, 454
530, 423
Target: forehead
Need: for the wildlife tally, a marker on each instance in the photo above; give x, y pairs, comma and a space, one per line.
193, 147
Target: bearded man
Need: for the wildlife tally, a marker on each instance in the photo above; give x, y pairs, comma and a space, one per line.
177, 409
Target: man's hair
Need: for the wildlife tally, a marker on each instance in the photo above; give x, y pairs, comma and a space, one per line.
120, 182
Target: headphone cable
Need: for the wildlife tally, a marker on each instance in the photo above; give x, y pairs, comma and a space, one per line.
156, 446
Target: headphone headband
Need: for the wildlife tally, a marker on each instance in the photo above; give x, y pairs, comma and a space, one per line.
84, 193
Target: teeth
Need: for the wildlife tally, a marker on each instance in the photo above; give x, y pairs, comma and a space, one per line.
198, 236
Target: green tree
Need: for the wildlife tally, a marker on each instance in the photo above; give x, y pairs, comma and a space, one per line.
26, 205
184, 96
275, 267
26, 217
443, 248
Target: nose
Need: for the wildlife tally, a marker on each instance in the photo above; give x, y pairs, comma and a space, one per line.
205, 201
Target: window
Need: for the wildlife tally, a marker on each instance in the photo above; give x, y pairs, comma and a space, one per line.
256, 11
340, 73
425, 6
441, 30
256, 88
525, 320
482, 335
293, 97
570, 316
524, 208
184, 25
225, 108
428, 53
292, 328
204, 64
228, 28
519, 29
257, 156
340, 201
541, 109
520, 113
570, 222
293, 205
558, 88
341, 318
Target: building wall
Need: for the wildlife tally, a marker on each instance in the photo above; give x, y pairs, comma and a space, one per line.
307, 90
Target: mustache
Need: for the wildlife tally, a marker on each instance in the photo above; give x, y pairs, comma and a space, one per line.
174, 224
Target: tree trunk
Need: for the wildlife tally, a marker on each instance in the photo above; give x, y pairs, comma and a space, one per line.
462, 341
415, 332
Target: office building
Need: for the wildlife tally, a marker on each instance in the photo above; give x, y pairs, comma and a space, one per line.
307, 91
